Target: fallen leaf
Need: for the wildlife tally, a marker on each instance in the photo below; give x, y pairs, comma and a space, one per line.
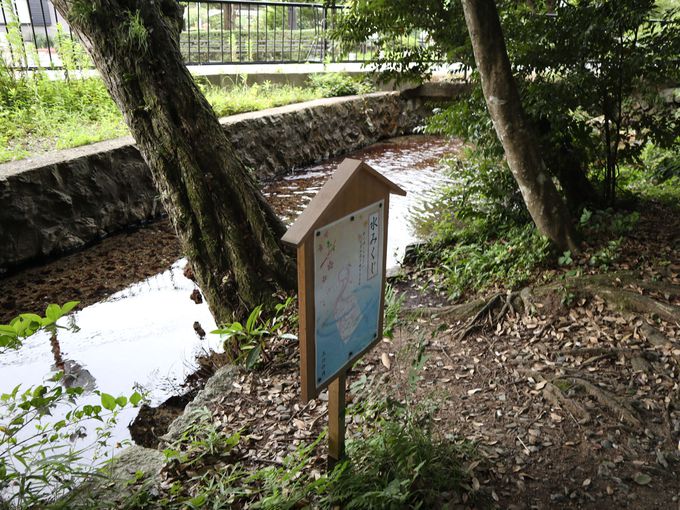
642, 478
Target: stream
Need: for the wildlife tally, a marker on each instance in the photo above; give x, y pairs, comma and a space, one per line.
142, 336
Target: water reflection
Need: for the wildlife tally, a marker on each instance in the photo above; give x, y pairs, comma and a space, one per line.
141, 337
145, 335
412, 162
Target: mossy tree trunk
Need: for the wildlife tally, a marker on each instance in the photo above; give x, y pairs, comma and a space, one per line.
505, 108
227, 230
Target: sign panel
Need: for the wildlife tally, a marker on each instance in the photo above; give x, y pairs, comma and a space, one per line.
348, 264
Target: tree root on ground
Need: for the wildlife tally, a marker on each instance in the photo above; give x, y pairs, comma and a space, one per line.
554, 395
623, 411
620, 290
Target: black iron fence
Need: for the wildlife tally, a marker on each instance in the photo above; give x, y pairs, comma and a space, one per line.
33, 34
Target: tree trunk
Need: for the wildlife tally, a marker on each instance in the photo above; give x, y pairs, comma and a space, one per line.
502, 99
227, 230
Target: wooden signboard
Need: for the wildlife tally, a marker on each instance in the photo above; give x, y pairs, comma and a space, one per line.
341, 239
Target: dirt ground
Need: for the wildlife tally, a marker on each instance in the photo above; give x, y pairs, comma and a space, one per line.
570, 391
570, 394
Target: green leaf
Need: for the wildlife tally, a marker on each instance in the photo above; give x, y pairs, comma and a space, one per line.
642, 478
122, 401
108, 401
135, 398
253, 317
253, 357
53, 312
197, 501
69, 306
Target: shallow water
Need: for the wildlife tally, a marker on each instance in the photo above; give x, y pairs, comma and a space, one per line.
411, 162
143, 336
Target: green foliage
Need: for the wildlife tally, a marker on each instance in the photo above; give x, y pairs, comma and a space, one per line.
606, 256
656, 175
240, 97
247, 343
398, 464
486, 236
565, 259
26, 324
339, 84
40, 460
508, 259
591, 79
393, 304
607, 222
590, 76
483, 192
390, 27
137, 33
395, 460
38, 114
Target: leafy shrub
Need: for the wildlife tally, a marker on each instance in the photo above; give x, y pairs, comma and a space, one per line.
509, 259
339, 84
398, 465
39, 457
486, 236
393, 303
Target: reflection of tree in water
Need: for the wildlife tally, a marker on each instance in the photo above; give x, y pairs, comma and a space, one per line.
75, 375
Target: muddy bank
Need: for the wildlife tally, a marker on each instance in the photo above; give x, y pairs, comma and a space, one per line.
93, 274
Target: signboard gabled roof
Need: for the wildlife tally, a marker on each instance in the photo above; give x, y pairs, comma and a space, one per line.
329, 193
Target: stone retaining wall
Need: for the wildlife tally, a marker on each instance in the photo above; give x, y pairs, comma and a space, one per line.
64, 200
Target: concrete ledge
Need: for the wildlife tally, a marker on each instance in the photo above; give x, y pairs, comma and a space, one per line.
61, 201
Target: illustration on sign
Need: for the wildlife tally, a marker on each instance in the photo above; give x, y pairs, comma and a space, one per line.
348, 258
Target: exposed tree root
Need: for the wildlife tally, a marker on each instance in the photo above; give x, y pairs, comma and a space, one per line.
558, 399
622, 411
629, 301
473, 323
451, 313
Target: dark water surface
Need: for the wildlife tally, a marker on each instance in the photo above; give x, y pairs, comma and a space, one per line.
143, 337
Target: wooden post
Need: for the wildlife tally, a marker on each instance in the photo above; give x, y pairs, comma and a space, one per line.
336, 420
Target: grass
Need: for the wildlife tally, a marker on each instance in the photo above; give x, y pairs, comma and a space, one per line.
38, 115
395, 460
243, 98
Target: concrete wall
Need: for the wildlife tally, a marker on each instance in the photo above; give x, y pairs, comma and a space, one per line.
61, 201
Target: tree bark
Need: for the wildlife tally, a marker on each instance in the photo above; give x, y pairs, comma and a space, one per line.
502, 99
226, 228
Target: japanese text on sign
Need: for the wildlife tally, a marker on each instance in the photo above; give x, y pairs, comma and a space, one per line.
348, 256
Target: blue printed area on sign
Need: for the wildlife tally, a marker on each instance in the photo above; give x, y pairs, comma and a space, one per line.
348, 265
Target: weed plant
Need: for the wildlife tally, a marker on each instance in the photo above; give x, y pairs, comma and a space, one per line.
395, 460
39, 112
43, 458
339, 84
485, 236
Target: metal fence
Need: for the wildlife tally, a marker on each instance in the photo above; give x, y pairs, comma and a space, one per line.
33, 34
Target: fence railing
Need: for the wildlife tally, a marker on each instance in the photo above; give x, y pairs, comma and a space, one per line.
32, 34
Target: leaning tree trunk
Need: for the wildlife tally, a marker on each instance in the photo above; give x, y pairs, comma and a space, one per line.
502, 99
226, 228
